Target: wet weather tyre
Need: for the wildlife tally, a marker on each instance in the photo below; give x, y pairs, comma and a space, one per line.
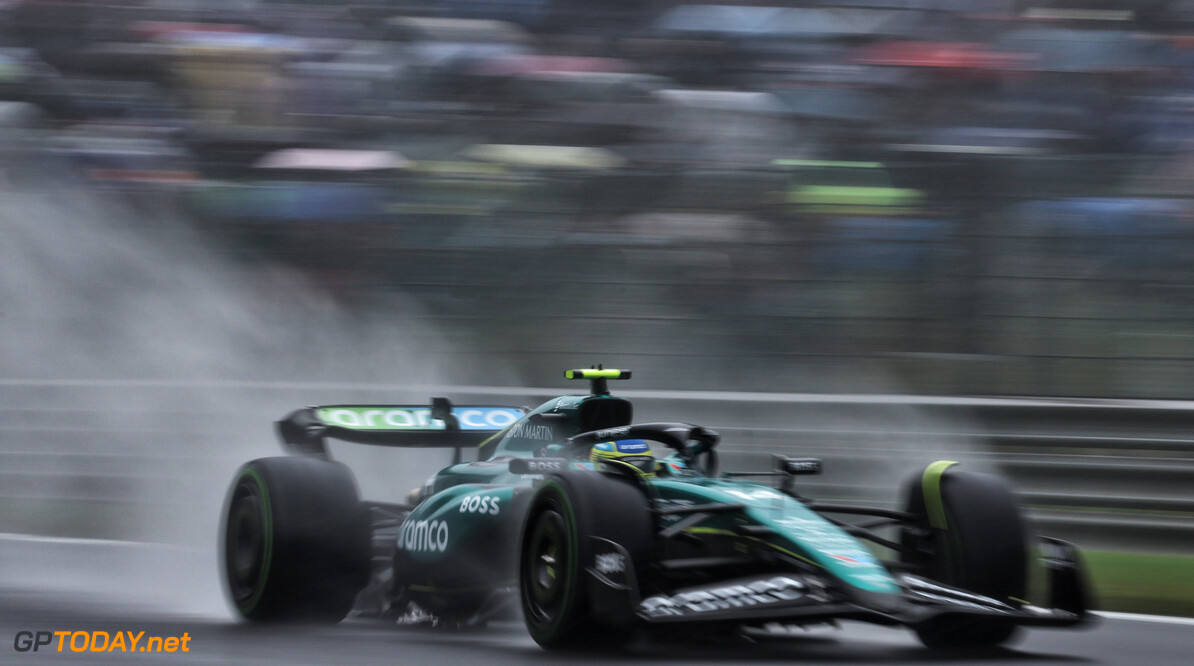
556, 548
969, 533
295, 540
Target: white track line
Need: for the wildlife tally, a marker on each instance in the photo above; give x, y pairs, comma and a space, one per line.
78, 541
1136, 617
67, 541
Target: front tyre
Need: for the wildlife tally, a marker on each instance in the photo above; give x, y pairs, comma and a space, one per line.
556, 548
970, 534
295, 540
551, 581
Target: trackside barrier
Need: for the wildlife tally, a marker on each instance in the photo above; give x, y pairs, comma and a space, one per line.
1110, 474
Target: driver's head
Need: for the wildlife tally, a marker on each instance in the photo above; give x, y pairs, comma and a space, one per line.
633, 452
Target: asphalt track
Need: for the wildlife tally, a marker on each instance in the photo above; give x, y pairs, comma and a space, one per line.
56, 585
1116, 640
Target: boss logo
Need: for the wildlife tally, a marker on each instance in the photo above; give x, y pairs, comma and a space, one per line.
484, 504
538, 465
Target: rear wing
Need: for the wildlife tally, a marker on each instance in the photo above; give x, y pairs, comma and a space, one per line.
441, 424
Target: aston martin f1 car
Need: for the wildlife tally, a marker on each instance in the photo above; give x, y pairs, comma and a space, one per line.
597, 527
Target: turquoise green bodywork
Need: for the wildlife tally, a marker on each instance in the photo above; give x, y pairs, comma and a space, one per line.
796, 531
556, 420
467, 513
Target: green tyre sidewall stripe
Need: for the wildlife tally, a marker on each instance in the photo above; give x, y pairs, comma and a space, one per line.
561, 619
939, 519
930, 484
267, 522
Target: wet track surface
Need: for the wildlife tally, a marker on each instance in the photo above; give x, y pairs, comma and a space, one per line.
213, 639
1114, 641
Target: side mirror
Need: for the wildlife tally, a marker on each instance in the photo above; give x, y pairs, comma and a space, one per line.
795, 466
701, 456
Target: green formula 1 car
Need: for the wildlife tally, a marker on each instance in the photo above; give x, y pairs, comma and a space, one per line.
598, 526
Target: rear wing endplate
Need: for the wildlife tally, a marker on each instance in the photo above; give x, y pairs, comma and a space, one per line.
441, 424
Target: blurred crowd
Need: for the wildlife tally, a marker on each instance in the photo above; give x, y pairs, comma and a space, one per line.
978, 196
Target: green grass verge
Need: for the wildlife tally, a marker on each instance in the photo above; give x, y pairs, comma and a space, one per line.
1142, 582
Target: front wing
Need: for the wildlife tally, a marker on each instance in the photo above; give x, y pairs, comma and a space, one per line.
799, 598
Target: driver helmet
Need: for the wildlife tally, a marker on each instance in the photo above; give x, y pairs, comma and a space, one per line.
633, 452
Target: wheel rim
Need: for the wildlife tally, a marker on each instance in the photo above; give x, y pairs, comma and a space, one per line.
245, 545
544, 567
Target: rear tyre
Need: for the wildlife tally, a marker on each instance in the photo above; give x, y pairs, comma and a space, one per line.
296, 540
970, 534
556, 548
